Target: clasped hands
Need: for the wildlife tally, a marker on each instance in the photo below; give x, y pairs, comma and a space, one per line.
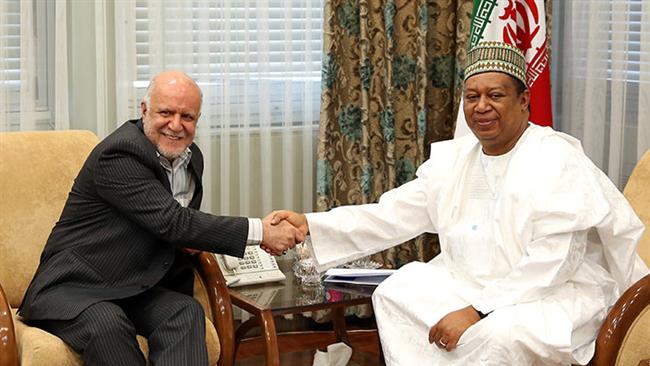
283, 230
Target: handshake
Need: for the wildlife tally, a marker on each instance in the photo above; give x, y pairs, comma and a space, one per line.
283, 230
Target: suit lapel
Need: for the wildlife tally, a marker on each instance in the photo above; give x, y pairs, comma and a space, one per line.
196, 167
159, 170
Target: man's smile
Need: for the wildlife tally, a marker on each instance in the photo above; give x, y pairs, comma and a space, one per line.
483, 123
170, 136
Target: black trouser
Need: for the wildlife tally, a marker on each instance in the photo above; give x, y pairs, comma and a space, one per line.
104, 333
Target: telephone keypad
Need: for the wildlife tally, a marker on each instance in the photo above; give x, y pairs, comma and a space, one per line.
256, 267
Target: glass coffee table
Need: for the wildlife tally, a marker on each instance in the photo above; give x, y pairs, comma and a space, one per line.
267, 301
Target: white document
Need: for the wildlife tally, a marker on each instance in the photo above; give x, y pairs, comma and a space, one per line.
357, 276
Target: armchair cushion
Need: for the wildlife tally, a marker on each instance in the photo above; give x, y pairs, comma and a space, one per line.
38, 347
37, 170
637, 191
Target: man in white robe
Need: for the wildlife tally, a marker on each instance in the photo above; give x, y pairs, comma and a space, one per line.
536, 242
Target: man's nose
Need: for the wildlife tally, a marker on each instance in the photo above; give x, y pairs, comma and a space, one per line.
483, 105
175, 123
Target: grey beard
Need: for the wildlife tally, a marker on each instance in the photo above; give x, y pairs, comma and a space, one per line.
169, 155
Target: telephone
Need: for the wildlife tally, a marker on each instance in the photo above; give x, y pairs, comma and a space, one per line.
257, 266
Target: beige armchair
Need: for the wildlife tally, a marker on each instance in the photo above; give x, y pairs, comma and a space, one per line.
36, 172
624, 339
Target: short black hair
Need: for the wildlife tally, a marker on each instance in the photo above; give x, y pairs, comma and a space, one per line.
519, 85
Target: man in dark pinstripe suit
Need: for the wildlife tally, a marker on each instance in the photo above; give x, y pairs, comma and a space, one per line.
117, 262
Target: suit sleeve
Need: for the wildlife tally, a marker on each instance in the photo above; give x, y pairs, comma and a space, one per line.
129, 184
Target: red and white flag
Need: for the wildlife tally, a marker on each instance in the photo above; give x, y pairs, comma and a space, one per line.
521, 23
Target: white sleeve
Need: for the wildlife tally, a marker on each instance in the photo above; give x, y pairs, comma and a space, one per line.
347, 233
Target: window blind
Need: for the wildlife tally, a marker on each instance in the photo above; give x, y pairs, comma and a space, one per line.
10, 43
238, 39
253, 58
621, 20
601, 74
35, 74
625, 37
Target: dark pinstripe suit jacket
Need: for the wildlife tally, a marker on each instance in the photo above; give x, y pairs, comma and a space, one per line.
120, 229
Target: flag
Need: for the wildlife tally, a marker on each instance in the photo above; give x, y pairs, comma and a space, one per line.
521, 23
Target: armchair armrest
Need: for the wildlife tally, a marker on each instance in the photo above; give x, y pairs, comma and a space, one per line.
619, 320
220, 305
8, 348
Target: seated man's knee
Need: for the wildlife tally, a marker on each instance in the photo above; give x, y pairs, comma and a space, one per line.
393, 287
386, 290
501, 337
497, 331
107, 319
196, 311
191, 312
381, 299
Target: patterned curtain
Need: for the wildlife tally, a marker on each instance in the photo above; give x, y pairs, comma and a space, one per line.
390, 86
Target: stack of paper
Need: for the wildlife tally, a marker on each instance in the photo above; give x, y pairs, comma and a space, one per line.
357, 276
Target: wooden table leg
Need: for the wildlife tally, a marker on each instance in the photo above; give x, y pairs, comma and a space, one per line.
338, 321
269, 333
241, 331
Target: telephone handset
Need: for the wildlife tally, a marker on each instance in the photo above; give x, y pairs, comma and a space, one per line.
257, 266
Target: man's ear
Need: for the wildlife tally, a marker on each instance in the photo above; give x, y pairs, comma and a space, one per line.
143, 108
525, 100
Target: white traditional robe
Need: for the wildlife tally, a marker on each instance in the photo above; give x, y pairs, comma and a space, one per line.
539, 238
